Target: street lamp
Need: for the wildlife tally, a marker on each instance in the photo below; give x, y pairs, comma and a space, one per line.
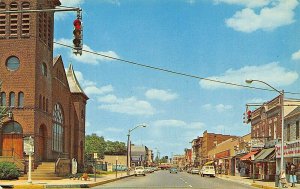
282, 120
128, 143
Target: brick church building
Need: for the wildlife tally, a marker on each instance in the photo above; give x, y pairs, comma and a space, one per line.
47, 102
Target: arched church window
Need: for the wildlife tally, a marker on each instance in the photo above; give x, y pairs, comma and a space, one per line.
57, 130
12, 128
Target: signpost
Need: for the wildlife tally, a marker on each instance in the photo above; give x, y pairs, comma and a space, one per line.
95, 157
29, 150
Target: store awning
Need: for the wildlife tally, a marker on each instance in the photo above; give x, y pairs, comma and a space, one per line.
209, 163
265, 155
247, 157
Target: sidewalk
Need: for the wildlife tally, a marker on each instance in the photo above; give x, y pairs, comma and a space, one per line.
64, 183
256, 183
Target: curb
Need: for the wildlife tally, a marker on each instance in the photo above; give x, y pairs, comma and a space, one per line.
87, 185
39, 186
263, 186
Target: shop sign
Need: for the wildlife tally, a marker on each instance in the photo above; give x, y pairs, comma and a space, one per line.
291, 149
257, 143
243, 151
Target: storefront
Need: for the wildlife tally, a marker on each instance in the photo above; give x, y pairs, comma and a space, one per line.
266, 165
248, 164
291, 153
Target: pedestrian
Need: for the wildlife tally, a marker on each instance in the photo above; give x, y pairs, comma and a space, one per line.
293, 178
283, 180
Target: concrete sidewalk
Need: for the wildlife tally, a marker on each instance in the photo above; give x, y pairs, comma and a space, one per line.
63, 183
256, 183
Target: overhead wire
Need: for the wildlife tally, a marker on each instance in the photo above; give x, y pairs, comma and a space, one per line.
174, 72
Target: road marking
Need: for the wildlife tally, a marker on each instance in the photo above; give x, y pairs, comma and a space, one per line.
190, 186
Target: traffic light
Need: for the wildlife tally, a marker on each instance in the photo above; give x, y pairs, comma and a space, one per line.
77, 41
244, 118
249, 116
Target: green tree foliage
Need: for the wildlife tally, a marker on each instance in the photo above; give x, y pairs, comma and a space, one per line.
115, 148
97, 144
8, 171
94, 144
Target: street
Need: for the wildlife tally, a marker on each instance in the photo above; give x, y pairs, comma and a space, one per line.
164, 179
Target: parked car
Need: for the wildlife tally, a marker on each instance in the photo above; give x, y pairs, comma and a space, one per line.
173, 170
208, 170
189, 170
149, 170
139, 171
195, 171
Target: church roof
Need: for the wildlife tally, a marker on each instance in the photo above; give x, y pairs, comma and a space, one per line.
73, 82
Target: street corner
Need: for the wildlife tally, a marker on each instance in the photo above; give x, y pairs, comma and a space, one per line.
29, 186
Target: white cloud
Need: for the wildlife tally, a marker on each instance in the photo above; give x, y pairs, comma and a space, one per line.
161, 95
296, 55
115, 2
207, 106
113, 129
178, 123
218, 107
87, 58
108, 99
68, 3
169, 123
130, 106
222, 107
261, 72
246, 3
268, 18
73, 3
90, 90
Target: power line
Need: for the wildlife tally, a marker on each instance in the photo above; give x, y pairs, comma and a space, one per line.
173, 72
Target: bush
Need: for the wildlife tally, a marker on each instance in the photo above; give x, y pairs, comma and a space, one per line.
8, 171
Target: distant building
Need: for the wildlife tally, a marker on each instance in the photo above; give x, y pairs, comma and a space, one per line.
138, 155
202, 145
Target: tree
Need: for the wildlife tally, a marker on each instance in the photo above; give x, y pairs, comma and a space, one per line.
94, 144
115, 148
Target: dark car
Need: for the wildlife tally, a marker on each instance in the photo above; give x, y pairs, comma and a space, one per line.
173, 170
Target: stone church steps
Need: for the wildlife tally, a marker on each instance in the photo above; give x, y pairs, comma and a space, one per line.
45, 171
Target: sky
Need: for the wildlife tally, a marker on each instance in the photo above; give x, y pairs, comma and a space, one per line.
227, 40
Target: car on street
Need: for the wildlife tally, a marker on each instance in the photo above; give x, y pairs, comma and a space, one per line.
195, 170
173, 170
139, 170
149, 170
208, 170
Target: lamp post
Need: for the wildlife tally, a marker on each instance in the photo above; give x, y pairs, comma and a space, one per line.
282, 169
128, 144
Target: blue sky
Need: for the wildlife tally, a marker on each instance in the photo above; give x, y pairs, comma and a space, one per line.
228, 40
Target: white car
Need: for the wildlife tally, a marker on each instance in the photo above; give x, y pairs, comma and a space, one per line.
139, 171
208, 170
195, 171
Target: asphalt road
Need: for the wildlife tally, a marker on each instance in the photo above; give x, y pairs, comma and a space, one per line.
165, 180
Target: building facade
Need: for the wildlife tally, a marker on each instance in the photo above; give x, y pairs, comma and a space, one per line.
47, 102
209, 141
